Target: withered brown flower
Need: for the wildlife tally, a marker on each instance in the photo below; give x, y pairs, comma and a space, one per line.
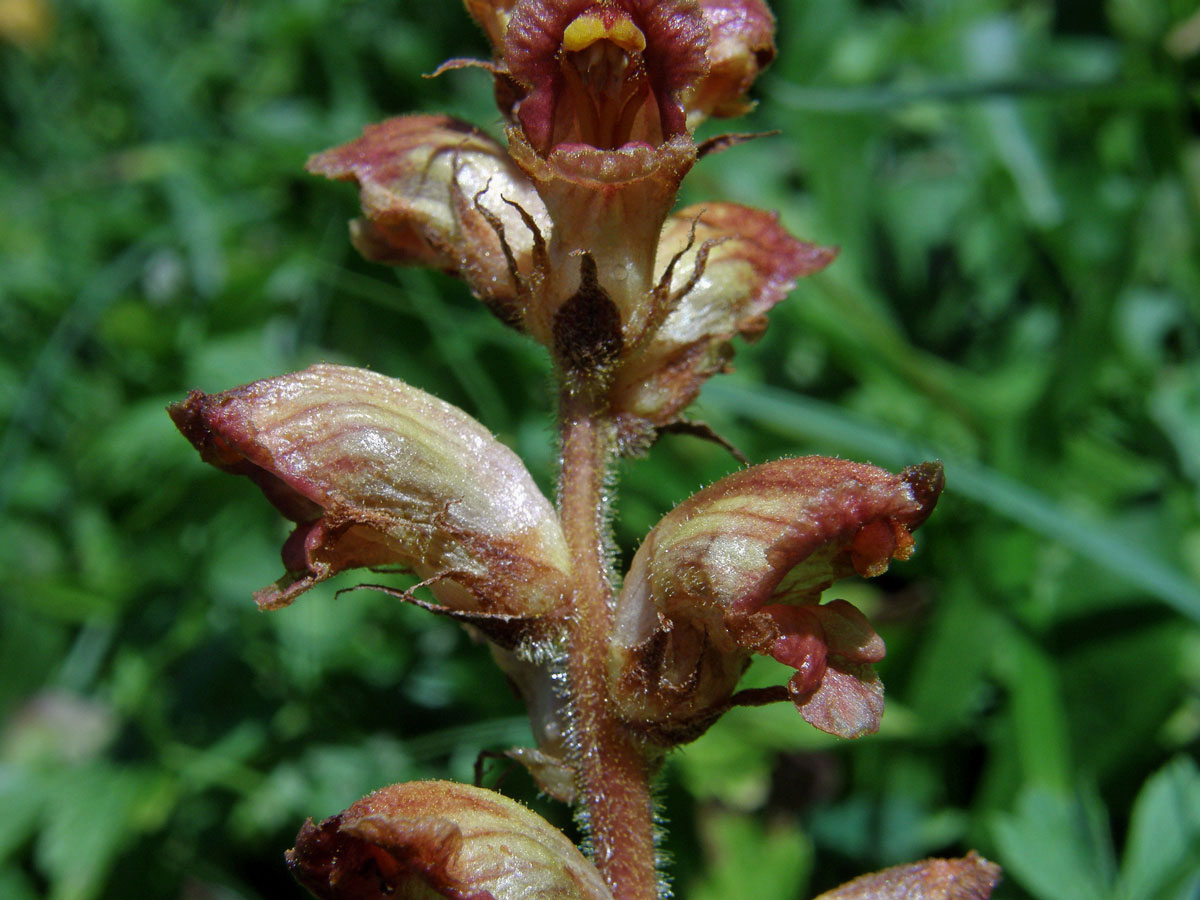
438, 192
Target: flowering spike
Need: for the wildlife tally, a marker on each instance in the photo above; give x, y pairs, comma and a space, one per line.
376, 472
739, 568
566, 234
439, 839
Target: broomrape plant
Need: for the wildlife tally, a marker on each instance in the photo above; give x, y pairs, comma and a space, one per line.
567, 234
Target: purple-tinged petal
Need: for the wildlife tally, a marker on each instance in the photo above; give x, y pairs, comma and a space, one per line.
604, 73
848, 702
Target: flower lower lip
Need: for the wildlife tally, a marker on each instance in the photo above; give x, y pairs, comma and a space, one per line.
578, 146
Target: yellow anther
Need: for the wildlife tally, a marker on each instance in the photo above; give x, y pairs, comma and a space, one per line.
590, 28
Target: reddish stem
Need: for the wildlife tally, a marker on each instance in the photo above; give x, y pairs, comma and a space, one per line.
613, 776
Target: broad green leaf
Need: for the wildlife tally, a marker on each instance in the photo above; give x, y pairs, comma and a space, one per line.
749, 860
1057, 845
92, 814
1162, 851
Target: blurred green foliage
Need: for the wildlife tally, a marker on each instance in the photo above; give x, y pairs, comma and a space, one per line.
1015, 187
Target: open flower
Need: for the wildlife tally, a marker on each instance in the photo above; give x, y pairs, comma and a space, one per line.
739, 568
601, 131
643, 56
437, 839
604, 73
375, 472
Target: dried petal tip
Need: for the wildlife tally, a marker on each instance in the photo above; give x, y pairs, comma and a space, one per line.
375, 472
440, 839
969, 878
739, 568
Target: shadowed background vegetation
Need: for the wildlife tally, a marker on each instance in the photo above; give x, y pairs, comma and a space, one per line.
1015, 190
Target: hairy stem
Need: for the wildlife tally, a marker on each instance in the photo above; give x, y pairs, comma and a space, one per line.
613, 774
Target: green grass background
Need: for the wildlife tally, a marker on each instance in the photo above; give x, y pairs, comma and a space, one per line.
1014, 186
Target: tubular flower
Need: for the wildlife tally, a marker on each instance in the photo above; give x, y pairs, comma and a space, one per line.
738, 568
604, 73
601, 131
439, 839
375, 472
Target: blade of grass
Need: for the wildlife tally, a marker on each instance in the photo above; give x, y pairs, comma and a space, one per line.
873, 98
453, 343
55, 358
